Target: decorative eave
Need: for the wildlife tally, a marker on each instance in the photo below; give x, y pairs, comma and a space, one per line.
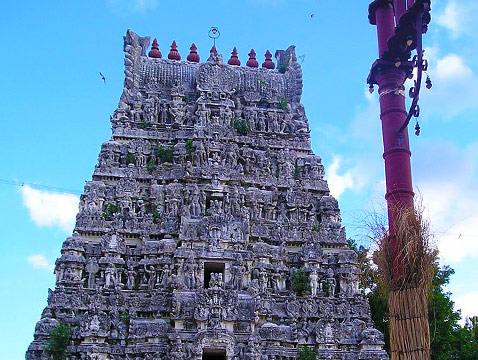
397, 47
381, 64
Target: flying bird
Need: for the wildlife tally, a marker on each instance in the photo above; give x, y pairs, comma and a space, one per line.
103, 78
312, 15
301, 58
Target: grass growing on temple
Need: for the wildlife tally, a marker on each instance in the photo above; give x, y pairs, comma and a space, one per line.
242, 126
165, 154
300, 282
306, 353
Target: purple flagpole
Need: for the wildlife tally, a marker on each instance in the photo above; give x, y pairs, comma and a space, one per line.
400, 25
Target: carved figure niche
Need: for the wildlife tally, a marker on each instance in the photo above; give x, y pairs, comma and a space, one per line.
213, 271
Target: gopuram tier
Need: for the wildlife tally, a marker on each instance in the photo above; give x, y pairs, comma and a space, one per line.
208, 230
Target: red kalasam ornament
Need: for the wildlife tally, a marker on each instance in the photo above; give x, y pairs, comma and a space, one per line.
155, 53
268, 63
193, 54
252, 62
234, 60
174, 53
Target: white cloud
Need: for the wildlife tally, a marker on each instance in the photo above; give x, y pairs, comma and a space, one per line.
338, 183
431, 53
139, 6
452, 67
50, 208
38, 261
459, 17
361, 141
467, 304
455, 85
451, 18
447, 178
365, 125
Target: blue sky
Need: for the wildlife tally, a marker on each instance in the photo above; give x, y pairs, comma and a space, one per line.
55, 115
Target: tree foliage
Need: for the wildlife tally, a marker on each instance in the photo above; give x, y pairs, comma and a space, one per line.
300, 282
242, 126
306, 353
165, 153
110, 209
449, 340
60, 338
190, 148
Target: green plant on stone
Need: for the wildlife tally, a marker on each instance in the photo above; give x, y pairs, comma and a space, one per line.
124, 317
283, 102
186, 99
326, 288
300, 282
137, 281
57, 344
242, 126
150, 165
165, 154
110, 209
306, 353
262, 82
156, 216
190, 148
143, 124
130, 158
283, 68
297, 171
315, 228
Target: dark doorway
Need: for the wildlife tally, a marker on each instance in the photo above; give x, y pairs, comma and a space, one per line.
213, 354
209, 268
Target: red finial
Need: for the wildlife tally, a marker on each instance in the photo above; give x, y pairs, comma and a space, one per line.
193, 54
155, 53
234, 60
213, 50
252, 62
268, 64
174, 54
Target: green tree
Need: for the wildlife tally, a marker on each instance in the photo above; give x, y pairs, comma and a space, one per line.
443, 319
372, 290
60, 338
449, 340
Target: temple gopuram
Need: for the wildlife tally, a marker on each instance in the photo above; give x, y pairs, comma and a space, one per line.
208, 230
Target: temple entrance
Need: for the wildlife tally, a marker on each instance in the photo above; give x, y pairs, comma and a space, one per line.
214, 354
209, 268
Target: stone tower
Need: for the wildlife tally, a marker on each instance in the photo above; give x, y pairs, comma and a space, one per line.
208, 231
